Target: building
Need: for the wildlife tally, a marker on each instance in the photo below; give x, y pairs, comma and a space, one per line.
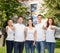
34, 7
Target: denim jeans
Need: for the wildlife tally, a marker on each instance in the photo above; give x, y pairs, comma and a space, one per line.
40, 46
50, 47
9, 46
29, 47
18, 47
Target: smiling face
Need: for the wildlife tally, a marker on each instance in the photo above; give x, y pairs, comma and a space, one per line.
30, 22
39, 19
50, 21
20, 20
10, 22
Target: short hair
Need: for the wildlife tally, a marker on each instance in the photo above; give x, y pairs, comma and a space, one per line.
40, 15
20, 17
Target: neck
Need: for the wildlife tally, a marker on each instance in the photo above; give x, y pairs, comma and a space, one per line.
50, 24
9, 25
30, 25
39, 22
20, 23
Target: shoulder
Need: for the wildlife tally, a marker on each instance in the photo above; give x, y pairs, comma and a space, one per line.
6, 27
26, 28
34, 28
36, 25
23, 25
15, 24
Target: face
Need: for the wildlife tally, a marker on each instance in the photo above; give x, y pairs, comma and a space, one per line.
10, 22
20, 20
30, 22
50, 21
39, 18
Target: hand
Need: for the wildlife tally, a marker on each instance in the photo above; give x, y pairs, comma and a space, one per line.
34, 44
6, 28
44, 28
24, 39
13, 28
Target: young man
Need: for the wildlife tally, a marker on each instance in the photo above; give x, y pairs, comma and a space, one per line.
19, 36
40, 39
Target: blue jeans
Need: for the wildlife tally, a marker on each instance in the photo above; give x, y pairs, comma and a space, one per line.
18, 47
40, 46
9, 46
50, 47
29, 47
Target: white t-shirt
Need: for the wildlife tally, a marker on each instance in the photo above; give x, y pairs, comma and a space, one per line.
30, 34
10, 34
50, 34
40, 32
19, 32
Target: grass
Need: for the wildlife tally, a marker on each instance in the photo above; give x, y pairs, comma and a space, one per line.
57, 49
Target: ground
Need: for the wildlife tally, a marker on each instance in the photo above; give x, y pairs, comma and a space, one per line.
57, 49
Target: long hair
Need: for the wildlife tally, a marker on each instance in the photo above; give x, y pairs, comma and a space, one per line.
32, 23
52, 21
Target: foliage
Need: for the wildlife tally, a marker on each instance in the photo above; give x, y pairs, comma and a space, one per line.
10, 8
53, 9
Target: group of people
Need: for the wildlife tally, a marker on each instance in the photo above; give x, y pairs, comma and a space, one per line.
30, 36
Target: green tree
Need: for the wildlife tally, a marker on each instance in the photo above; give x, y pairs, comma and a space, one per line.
10, 8
53, 9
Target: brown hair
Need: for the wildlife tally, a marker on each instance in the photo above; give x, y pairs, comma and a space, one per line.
32, 23
52, 21
40, 15
20, 17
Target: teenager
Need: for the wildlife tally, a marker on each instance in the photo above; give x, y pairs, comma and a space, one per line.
19, 36
30, 37
40, 40
50, 38
10, 36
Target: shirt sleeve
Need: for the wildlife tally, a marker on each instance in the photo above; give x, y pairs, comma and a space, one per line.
57, 27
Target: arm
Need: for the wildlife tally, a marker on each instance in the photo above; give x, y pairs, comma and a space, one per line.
54, 28
6, 28
25, 30
57, 27
44, 28
13, 28
24, 35
34, 38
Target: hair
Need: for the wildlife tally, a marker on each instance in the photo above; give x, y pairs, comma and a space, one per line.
40, 15
9, 20
52, 21
20, 17
32, 23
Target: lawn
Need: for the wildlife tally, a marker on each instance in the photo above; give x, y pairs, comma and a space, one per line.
57, 49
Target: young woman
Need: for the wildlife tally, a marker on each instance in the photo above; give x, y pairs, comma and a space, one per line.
30, 37
10, 36
50, 38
